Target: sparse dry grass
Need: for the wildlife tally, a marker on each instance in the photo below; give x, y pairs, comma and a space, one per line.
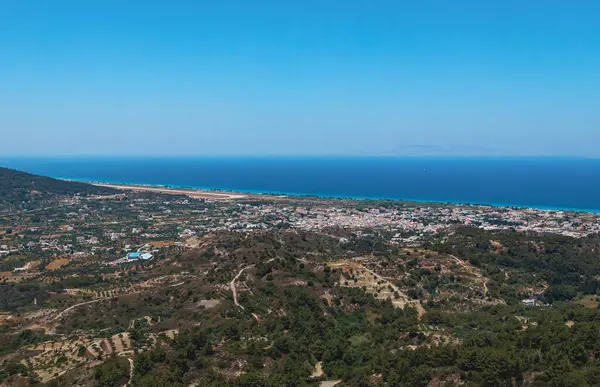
159, 244
589, 302
57, 264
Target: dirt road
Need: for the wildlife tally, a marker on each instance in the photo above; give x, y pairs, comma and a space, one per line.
232, 285
405, 300
144, 285
474, 271
131, 366
70, 308
414, 303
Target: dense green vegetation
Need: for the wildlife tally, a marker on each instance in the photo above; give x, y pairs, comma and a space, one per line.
14, 296
496, 348
364, 341
113, 372
286, 328
17, 186
569, 266
26, 337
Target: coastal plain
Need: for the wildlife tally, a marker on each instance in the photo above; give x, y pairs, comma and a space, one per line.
112, 285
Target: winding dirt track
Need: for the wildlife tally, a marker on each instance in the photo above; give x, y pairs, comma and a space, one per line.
402, 301
472, 270
414, 303
131, 366
70, 308
233, 290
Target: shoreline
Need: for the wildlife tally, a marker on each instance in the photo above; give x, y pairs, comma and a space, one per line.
191, 192
233, 194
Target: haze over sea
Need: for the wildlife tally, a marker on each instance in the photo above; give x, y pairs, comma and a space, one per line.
549, 183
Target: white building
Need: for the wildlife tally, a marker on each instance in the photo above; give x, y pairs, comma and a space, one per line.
529, 302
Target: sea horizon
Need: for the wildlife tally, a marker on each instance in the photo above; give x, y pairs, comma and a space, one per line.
544, 183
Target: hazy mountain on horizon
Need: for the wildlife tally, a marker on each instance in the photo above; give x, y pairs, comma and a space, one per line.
436, 150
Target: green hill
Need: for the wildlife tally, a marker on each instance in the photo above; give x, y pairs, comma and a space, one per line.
17, 186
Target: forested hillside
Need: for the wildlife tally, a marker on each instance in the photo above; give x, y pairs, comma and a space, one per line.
564, 266
303, 314
17, 186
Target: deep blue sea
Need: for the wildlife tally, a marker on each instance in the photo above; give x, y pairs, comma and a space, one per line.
553, 183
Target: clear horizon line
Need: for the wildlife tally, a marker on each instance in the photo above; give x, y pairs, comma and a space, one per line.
312, 155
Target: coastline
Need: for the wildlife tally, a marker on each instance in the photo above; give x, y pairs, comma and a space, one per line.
195, 193
232, 194
551, 184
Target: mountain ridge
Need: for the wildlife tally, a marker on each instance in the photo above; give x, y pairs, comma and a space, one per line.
19, 186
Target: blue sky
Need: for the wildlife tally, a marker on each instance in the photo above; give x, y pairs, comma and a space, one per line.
300, 77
